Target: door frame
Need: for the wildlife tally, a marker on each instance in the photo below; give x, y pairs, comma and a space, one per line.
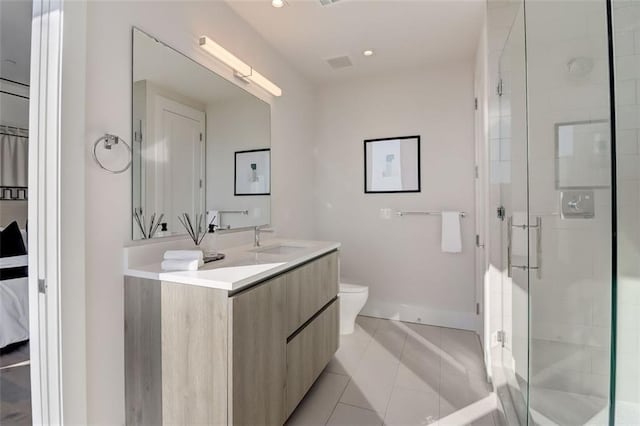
56, 212
481, 143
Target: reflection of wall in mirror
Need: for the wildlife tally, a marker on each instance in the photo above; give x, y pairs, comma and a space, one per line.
239, 124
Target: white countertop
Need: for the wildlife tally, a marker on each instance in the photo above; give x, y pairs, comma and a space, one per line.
242, 266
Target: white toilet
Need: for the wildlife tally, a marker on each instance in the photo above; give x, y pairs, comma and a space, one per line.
352, 300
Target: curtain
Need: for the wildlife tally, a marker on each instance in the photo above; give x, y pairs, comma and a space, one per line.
14, 158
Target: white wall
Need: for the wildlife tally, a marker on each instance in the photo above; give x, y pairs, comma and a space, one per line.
400, 258
235, 125
108, 197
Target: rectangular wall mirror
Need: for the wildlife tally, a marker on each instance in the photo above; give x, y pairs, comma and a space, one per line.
583, 155
188, 125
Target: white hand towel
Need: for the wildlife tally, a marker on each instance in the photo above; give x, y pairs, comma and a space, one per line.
183, 255
451, 235
181, 265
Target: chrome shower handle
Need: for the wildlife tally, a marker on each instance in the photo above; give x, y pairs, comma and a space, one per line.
510, 265
538, 266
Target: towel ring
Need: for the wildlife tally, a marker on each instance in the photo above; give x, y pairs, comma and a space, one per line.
109, 141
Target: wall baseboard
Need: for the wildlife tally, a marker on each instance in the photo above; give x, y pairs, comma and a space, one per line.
421, 315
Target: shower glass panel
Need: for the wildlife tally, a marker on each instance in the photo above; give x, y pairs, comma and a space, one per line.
626, 51
510, 150
569, 211
551, 182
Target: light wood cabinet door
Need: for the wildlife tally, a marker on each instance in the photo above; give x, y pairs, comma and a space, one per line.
309, 288
308, 353
257, 346
194, 359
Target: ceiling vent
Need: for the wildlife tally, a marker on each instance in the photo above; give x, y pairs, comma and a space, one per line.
339, 62
328, 2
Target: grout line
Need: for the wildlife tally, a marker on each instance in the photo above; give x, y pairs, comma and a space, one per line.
357, 406
336, 406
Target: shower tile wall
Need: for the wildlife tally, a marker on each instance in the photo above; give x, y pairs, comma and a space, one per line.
626, 24
570, 303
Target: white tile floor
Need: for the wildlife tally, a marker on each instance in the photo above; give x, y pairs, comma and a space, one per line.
396, 373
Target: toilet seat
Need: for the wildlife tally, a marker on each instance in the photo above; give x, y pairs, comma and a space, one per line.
352, 288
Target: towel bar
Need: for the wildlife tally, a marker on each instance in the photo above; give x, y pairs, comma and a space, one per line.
462, 214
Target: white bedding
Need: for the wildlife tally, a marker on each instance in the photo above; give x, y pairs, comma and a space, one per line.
14, 311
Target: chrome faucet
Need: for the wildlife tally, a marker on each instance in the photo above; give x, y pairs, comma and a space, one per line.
256, 234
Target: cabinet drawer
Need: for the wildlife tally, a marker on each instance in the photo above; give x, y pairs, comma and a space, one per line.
309, 288
308, 353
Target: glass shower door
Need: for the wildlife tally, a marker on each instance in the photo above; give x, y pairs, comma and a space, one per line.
551, 180
569, 215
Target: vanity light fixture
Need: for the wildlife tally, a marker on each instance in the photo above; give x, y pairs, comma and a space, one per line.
368, 52
277, 3
241, 69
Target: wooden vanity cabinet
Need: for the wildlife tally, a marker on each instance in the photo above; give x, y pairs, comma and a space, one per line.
197, 355
257, 355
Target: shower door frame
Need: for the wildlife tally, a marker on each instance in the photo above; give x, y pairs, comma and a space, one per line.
614, 216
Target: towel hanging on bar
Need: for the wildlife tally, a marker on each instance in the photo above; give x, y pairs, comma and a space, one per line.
451, 234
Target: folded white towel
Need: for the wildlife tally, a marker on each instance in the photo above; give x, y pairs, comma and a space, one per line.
183, 255
181, 265
451, 235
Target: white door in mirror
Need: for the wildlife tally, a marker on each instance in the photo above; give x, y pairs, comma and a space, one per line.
179, 148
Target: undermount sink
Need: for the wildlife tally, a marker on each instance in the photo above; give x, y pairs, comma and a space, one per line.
278, 249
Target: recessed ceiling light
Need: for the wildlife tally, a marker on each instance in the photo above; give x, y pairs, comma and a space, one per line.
277, 3
368, 52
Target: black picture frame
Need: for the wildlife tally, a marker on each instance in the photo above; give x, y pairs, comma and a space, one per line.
235, 173
368, 142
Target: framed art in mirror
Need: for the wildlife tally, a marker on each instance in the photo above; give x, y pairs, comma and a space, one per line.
252, 172
392, 165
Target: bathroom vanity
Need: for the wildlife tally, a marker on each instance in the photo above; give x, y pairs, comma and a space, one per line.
239, 341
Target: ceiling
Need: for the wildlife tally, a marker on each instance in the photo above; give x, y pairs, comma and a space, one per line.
403, 34
15, 40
